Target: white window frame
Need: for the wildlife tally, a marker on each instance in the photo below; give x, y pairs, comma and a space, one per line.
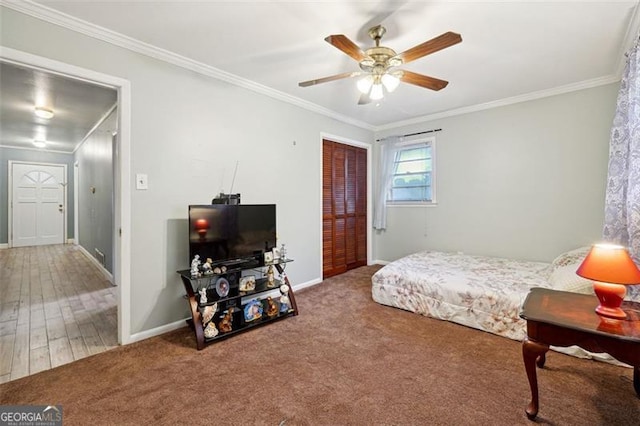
424, 141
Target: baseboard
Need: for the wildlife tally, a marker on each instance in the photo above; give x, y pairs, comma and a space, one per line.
6, 245
157, 331
108, 275
381, 262
297, 287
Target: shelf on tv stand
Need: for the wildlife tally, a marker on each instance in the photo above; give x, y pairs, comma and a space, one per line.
233, 299
236, 262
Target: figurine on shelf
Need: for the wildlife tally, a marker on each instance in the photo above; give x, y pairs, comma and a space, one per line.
283, 278
272, 308
253, 310
217, 270
195, 266
271, 282
226, 322
206, 267
248, 283
276, 254
285, 304
283, 252
208, 312
210, 330
203, 295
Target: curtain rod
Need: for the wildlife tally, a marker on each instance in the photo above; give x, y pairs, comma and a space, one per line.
415, 134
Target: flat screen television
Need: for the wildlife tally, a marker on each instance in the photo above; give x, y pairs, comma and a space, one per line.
229, 233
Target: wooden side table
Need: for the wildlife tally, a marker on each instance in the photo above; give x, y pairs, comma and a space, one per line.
560, 318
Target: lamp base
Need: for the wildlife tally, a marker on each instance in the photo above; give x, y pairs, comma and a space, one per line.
610, 297
616, 313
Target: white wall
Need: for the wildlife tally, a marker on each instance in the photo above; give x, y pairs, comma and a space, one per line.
188, 131
94, 160
524, 181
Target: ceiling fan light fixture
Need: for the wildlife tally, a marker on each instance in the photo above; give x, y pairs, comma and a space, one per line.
390, 82
364, 84
377, 64
376, 92
43, 112
39, 143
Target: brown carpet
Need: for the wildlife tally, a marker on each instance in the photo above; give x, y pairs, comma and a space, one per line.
344, 360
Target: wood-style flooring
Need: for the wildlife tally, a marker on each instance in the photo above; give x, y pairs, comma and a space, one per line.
56, 306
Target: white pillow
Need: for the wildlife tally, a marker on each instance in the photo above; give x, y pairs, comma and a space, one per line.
563, 275
565, 278
573, 256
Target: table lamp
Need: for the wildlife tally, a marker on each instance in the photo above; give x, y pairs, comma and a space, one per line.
611, 268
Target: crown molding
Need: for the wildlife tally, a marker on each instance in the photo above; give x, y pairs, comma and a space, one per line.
95, 126
53, 16
587, 84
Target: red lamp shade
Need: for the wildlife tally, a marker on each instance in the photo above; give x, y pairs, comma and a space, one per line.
611, 268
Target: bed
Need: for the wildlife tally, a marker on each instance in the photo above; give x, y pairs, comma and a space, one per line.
481, 292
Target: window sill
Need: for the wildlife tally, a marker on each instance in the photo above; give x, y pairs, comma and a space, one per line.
411, 204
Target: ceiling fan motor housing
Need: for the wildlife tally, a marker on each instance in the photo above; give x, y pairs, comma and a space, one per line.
379, 56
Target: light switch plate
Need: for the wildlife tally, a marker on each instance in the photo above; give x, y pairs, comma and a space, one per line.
142, 181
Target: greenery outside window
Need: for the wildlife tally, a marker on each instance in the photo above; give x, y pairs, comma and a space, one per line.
413, 179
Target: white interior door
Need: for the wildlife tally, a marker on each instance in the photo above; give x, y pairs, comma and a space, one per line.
38, 201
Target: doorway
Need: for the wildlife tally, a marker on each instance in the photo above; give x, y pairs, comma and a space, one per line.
122, 190
38, 198
344, 207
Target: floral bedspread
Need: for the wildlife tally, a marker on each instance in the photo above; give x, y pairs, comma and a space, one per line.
485, 293
480, 292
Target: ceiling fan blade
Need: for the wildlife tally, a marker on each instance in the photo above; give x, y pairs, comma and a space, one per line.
428, 47
328, 79
364, 99
423, 80
347, 46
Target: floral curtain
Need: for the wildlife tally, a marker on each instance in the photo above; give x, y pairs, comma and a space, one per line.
622, 204
388, 150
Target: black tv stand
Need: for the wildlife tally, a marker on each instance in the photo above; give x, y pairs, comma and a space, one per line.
241, 263
230, 307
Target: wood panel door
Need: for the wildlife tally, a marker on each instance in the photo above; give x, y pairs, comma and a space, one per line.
344, 208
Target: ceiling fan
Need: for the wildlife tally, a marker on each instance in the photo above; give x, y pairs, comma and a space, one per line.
377, 64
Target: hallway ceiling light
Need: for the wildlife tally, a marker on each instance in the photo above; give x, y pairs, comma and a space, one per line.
43, 112
39, 144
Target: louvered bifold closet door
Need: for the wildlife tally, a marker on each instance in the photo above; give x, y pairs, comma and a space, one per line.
327, 208
361, 208
344, 207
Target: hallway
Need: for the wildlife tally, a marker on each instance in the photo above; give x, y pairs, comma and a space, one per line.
56, 306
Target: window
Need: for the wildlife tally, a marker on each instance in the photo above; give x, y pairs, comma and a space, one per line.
413, 177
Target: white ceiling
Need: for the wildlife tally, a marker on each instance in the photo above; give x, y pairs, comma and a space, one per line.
78, 106
510, 50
